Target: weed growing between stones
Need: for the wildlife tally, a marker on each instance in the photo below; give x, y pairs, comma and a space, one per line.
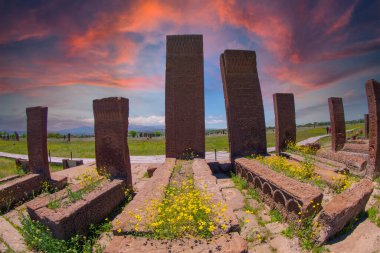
292, 147
343, 182
275, 215
40, 238
89, 182
374, 212
300, 171
185, 211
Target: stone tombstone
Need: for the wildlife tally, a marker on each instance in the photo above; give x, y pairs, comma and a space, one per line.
244, 103
373, 96
111, 137
37, 140
17, 136
184, 91
338, 125
285, 120
68, 137
366, 125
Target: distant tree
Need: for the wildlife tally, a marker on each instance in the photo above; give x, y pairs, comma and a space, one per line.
157, 133
133, 133
54, 135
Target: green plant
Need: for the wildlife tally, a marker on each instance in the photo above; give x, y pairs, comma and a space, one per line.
40, 238
373, 215
184, 211
240, 183
275, 215
289, 232
54, 204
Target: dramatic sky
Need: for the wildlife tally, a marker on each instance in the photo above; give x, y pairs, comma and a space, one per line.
65, 53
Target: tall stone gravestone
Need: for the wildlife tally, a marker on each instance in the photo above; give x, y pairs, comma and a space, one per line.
244, 103
285, 120
373, 96
184, 91
111, 137
366, 125
338, 125
37, 140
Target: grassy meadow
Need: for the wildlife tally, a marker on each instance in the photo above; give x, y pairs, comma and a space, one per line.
85, 147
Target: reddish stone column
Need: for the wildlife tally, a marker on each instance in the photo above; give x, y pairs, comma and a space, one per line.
244, 103
184, 91
373, 95
366, 125
37, 140
111, 137
285, 120
338, 125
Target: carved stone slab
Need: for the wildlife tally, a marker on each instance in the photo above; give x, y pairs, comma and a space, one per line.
184, 91
244, 103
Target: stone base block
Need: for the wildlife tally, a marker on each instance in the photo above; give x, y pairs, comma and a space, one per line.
67, 163
150, 170
19, 190
342, 209
227, 243
75, 218
23, 164
356, 148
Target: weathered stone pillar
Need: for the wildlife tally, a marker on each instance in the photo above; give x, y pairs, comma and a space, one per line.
244, 103
111, 137
373, 96
184, 91
366, 125
285, 120
338, 125
37, 140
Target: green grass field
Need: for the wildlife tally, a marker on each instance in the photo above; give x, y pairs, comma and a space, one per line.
326, 141
8, 167
85, 148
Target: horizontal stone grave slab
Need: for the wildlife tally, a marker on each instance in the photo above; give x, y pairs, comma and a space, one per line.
76, 217
153, 189
288, 195
327, 173
355, 163
356, 148
227, 243
68, 163
343, 208
8, 178
319, 162
19, 189
204, 180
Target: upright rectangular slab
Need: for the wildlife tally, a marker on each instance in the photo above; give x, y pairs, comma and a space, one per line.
184, 91
244, 103
366, 125
37, 140
373, 96
111, 137
285, 120
338, 125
